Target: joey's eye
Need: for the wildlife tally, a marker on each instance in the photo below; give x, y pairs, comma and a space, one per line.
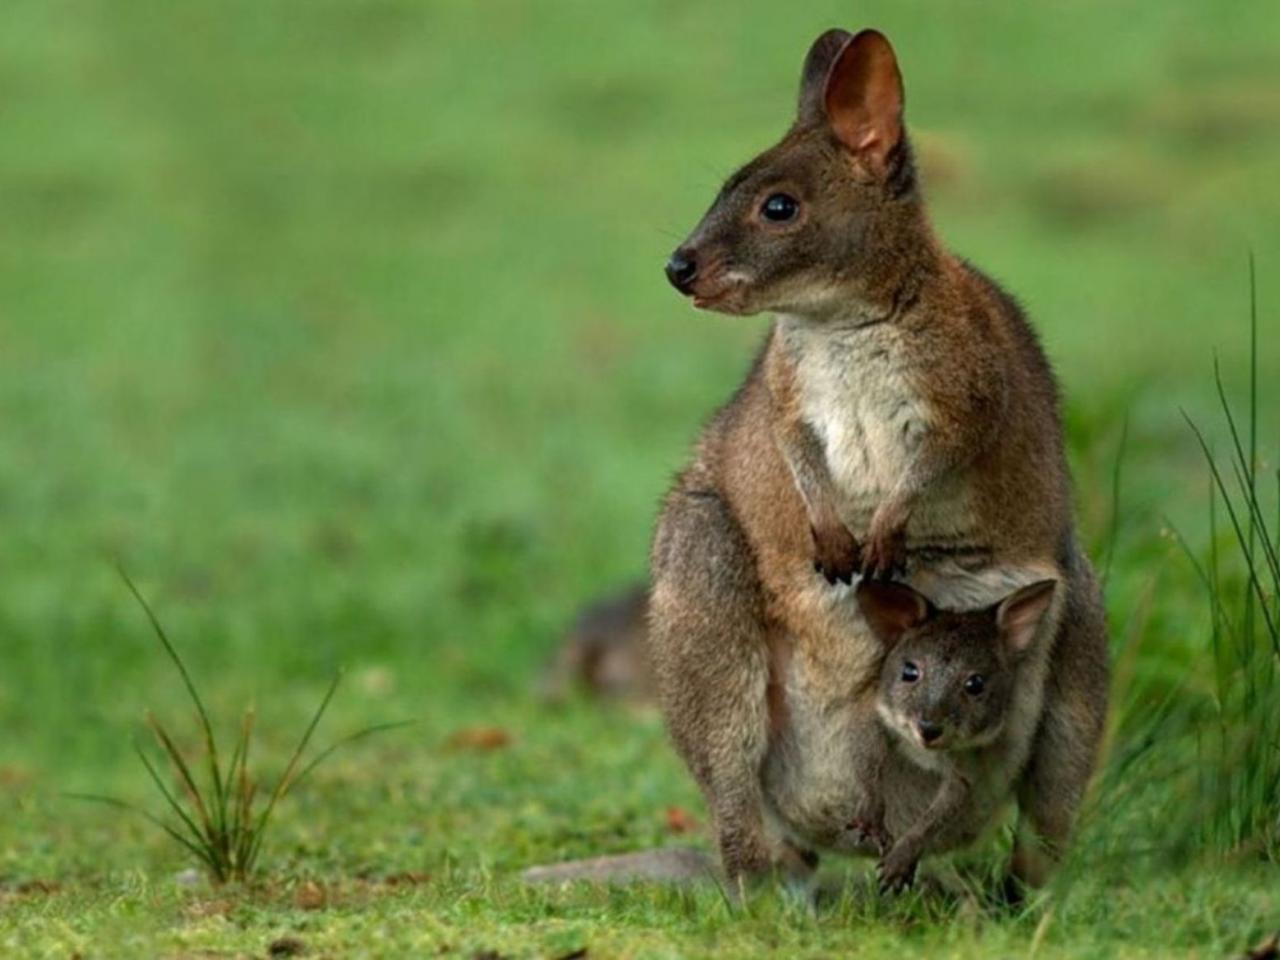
910, 672
975, 684
779, 208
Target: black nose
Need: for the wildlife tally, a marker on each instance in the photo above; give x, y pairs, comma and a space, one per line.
929, 732
682, 269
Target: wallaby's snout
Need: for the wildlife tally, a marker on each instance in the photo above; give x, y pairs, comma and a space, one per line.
929, 731
682, 270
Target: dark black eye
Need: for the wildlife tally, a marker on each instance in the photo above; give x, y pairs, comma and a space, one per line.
780, 208
975, 684
910, 672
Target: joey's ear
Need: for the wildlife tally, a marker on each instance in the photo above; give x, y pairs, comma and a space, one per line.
891, 608
1018, 615
813, 77
863, 100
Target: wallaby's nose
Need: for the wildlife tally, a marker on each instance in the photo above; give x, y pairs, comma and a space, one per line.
682, 269
929, 731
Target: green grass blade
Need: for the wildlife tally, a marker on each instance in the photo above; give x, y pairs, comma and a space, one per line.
232, 773
208, 853
1246, 478
1231, 513
147, 815
1113, 534
184, 775
348, 739
243, 814
211, 744
283, 784
1258, 522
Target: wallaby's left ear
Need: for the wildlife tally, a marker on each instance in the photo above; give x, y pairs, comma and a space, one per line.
863, 100
1018, 616
892, 608
813, 77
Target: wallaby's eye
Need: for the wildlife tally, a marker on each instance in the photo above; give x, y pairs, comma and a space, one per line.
975, 684
910, 672
780, 207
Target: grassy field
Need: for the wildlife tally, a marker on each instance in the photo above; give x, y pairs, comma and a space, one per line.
342, 325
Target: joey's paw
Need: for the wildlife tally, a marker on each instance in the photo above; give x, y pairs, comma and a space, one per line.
837, 555
885, 553
896, 870
868, 837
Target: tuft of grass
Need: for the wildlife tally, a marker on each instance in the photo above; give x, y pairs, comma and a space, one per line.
218, 816
1238, 737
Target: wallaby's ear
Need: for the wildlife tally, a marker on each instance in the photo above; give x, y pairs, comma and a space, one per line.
1018, 615
891, 608
813, 78
863, 99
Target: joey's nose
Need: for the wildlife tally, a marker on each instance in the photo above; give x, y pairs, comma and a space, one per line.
929, 732
682, 269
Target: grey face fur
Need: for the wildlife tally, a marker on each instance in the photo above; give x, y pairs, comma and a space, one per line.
844, 172
948, 678
947, 684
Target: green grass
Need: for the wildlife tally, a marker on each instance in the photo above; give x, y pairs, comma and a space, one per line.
342, 325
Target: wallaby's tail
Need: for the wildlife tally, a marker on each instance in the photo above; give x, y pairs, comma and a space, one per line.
671, 865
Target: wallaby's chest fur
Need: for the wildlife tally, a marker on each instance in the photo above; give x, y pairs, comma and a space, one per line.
857, 393
858, 389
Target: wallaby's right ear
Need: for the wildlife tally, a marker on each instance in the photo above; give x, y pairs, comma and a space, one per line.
813, 78
891, 608
1018, 616
863, 100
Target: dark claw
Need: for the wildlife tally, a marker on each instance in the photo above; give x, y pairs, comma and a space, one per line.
896, 884
838, 556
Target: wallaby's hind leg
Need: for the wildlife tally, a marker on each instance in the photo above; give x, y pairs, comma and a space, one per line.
710, 661
1066, 747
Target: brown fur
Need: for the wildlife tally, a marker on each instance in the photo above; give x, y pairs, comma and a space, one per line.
901, 418
974, 741
602, 653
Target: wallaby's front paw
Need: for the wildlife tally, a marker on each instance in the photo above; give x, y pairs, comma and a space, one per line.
885, 553
837, 555
897, 869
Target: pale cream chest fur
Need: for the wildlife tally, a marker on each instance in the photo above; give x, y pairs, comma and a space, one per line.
858, 394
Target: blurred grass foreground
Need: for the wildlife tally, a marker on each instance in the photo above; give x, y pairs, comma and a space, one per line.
342, 325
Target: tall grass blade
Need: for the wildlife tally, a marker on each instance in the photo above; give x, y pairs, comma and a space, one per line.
283, 784
145, 814
199, 840
211, 744
1231, 513
208, 827
344, 741
1113, 534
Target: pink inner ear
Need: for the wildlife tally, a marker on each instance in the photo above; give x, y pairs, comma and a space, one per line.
1019, 616
891, 608
868, 139
864, 97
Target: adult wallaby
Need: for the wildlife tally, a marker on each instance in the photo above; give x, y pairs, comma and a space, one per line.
901, 419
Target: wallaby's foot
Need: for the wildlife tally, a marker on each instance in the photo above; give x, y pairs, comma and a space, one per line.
897, 868
670, 865
789, 869
837, 555
747, 860
885, 553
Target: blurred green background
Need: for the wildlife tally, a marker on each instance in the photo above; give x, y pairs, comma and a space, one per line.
343, 326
